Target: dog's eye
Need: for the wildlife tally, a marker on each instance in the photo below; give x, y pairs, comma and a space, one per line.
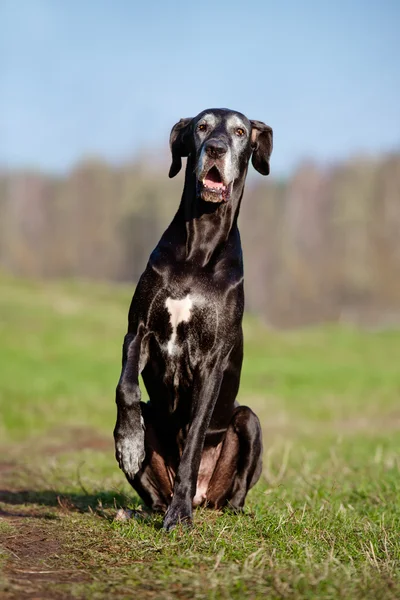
202, 127
239, 131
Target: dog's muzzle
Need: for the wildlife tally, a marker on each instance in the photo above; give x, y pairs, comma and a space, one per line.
212, 184
212, 188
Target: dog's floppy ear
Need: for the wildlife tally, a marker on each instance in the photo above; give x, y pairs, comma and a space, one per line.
261, 143
178, 142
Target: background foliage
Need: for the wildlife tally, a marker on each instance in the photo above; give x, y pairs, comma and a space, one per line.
321, 245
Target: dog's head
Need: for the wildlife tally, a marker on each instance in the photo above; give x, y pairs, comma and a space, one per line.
220, 142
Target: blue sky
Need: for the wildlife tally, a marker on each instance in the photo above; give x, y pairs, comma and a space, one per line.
111, 77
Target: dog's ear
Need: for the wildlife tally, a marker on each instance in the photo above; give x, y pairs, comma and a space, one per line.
261, 143
178, 142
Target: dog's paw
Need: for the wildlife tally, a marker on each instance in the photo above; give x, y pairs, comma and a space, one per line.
130, 451
177, 515
123, 514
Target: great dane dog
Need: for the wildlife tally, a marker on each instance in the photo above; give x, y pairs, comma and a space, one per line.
192, 444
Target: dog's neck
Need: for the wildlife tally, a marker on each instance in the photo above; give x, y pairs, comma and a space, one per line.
208, 225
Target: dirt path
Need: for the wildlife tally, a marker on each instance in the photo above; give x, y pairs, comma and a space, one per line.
35, 546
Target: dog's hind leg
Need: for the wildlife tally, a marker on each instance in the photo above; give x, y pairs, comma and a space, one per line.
129, 428
240, 462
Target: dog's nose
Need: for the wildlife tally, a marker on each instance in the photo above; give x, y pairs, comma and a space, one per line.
216, 148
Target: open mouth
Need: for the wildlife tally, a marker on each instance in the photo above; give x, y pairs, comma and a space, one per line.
213, 187
213, 180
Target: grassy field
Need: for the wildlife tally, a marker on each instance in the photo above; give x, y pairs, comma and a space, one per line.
324, 522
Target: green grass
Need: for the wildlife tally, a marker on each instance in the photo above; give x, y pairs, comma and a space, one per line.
323, 522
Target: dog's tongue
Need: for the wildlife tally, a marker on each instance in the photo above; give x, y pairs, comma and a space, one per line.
213, 179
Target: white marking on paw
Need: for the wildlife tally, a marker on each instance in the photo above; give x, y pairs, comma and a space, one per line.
179, 311
130, 451
123, 514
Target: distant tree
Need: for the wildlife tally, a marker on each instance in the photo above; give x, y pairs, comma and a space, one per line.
322, 245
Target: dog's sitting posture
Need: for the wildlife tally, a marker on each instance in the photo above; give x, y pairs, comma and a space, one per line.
192, 444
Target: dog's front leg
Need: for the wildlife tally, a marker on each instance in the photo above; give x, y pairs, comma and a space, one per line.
129, 428
207, 383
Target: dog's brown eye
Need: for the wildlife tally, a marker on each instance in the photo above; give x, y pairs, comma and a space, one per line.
202, 127
239, 131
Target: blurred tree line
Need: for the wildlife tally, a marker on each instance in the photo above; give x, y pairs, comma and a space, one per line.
322, 245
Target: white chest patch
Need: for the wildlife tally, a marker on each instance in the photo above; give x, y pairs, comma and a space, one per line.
179, 311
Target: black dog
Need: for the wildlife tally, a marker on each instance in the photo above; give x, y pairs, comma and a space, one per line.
192, 443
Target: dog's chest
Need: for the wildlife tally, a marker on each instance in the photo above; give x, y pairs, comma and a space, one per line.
184, 326
179, 311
